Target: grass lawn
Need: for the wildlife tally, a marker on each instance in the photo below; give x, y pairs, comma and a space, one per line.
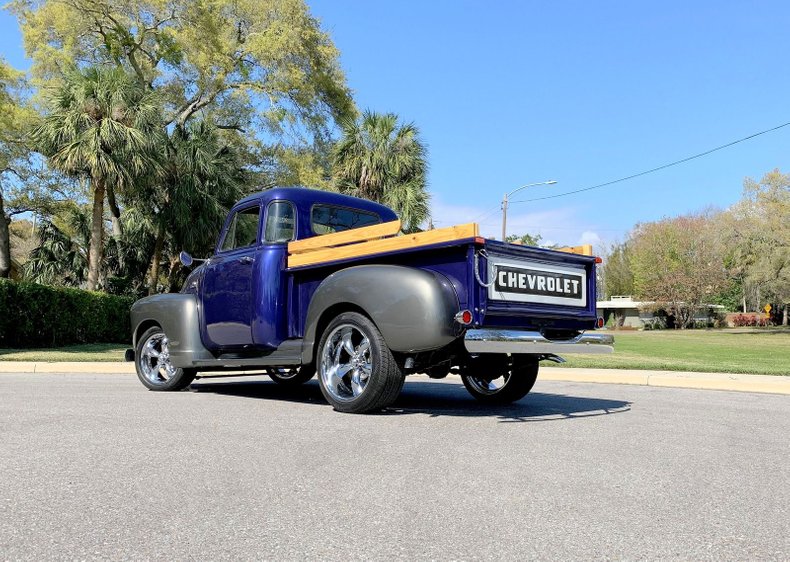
85, 352
738, 350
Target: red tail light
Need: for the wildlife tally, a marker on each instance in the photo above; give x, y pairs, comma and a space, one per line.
599, 323
464, 317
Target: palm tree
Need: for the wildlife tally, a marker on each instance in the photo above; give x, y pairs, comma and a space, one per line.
201, 179
380, 160
61, 255
101, 125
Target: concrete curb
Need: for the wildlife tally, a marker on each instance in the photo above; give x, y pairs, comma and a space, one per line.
75, 367
674, 379
774, 384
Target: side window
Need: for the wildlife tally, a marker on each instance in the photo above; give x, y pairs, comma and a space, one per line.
280, 222
327, 219
243, 230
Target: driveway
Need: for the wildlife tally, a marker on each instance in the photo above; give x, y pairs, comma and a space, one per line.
95, 466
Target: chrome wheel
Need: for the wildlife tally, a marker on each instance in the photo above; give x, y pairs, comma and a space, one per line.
283, 374
346, 363
154, 360
488, 386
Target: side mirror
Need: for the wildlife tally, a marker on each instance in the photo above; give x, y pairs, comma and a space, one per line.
185, 259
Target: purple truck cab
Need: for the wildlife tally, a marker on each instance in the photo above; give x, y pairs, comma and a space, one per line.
483, 309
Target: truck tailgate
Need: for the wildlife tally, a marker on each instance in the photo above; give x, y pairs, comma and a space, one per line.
535, 288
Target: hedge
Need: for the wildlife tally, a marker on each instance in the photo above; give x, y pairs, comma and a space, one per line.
33, 315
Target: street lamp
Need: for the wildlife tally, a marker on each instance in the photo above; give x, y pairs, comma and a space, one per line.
505, 200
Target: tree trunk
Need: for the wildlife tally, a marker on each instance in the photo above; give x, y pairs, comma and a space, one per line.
5, 243
97, 231
784, 315
157, 257
115, 213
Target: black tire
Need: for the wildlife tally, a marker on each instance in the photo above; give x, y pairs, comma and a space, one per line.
149, 375
516, 378
384, 378
291, 377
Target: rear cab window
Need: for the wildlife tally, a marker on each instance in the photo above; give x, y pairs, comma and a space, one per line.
280, 222
326, 219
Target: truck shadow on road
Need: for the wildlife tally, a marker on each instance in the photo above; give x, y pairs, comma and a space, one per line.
434, 399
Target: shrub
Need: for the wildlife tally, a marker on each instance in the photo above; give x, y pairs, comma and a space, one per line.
33, 315
750, 319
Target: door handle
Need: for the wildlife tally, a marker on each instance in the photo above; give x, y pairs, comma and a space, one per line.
246, 260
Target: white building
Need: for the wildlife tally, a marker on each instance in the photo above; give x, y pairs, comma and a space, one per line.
635, 314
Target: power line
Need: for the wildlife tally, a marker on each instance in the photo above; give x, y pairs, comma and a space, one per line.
650, 171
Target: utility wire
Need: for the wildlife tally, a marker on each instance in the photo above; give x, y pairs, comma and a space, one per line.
650, 171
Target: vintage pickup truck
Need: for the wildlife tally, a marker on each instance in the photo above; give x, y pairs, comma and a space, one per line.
307, 282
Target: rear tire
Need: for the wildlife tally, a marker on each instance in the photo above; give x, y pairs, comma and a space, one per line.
152, 362
499, 384
356, 370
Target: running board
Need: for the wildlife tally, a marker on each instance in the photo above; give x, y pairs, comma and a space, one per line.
288, 354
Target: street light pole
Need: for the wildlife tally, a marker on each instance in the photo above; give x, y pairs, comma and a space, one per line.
506, 198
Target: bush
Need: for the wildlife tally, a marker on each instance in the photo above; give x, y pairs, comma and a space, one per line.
33, 315
750, 319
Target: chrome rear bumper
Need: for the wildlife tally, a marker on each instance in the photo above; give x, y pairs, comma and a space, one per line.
515, 341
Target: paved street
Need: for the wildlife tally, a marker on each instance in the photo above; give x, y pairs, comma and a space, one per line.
96, 466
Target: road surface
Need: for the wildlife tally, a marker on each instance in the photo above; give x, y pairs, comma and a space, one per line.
95, 466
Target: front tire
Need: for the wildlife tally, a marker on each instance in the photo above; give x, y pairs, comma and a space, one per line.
356, 370
499, 384
152, 362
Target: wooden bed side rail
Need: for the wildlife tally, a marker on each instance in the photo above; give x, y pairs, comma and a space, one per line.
372, 247
345, 237
585, 250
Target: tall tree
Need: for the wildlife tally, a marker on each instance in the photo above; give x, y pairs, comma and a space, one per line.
618, 279
760, 237
378, 159
260, 65
201, 179
678, 263
103, 126
61, 256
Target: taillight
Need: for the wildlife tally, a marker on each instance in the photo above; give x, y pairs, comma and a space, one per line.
599, 323
464, 317
598, 259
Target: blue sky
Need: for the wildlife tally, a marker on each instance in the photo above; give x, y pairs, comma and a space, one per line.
510, 93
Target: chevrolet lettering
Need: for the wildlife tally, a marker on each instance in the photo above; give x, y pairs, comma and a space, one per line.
537, 283
306, 283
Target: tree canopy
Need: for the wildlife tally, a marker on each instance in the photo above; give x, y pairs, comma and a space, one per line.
379, 159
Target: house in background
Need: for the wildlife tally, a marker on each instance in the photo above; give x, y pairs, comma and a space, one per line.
624, 311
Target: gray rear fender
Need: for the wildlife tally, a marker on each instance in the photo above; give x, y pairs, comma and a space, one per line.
177, 315
413, 309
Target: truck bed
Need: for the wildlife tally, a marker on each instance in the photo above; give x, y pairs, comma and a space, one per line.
550, 290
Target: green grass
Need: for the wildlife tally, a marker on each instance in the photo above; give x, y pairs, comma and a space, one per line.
86, 352
739, 350
754, 351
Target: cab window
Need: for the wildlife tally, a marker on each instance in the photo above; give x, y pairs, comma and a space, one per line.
327, 219
280, 222
243, 229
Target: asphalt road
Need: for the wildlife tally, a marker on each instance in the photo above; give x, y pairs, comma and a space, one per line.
94, 466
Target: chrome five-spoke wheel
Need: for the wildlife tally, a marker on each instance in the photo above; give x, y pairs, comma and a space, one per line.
154, 366
487, 385
357, 372
346, 363
499, 379
155, 360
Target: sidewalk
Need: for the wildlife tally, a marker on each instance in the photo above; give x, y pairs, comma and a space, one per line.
675, 379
